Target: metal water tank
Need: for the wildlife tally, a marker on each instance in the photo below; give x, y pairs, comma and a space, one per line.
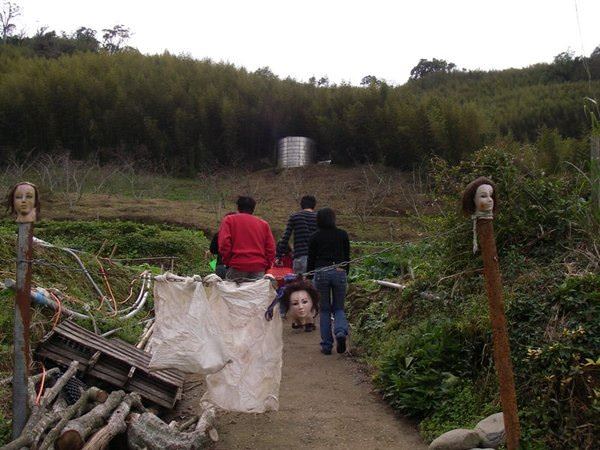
295, 151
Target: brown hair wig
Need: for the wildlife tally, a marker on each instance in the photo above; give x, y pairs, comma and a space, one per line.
10, 204
300, 285
468, 198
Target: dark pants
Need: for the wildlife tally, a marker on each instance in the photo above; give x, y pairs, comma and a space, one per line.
331, 285
238, 275
221, 270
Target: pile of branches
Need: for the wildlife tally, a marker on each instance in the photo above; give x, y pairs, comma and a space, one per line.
70, 416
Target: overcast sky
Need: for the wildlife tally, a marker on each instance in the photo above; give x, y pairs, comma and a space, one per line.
342, 39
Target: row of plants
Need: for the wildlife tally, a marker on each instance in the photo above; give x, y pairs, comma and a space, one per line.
430, 346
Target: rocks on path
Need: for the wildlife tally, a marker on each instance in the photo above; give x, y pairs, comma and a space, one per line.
488, 433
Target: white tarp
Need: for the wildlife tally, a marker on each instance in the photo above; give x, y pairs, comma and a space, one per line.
220, 330
250, 382
185, 336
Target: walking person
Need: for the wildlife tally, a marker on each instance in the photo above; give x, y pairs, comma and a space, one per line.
329, 246
245, 243
302, 224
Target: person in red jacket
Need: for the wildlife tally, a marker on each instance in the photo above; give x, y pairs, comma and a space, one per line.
246, 243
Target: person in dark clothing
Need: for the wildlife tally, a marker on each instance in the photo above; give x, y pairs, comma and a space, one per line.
330, 246
302, 224
221, 269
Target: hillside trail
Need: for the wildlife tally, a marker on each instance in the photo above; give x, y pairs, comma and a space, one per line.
325, 402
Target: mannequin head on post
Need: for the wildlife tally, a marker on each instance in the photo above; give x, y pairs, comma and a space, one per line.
23, 201
480, 197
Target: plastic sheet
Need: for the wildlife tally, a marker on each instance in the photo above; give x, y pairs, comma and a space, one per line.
250, 382
186, 335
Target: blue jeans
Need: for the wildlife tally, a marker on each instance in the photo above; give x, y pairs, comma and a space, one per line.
331, 285
300, 264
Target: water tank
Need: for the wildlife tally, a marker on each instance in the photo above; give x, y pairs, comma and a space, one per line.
295, 151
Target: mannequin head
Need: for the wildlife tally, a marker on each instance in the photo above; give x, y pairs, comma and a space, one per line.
484, 200
479, 196
301, 301
23, 201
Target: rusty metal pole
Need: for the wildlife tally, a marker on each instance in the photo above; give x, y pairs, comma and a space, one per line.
21, 328
493, 285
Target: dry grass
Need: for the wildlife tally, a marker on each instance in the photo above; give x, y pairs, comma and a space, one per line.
373, 203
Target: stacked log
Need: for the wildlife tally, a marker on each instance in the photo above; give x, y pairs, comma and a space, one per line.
97, 417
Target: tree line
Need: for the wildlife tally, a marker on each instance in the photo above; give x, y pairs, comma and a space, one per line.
77, 94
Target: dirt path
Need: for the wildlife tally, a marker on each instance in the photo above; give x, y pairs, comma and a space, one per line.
325, 403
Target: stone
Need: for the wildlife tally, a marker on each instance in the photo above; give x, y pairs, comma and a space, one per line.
459, 439
491, 430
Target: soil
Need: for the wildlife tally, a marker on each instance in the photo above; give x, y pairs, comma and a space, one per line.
326, 402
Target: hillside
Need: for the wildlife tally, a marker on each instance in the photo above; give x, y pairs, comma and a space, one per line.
373, 203
173, 113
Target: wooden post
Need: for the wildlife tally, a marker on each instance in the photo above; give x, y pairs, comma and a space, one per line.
21, 328
480, 202
24, 203
493, 285
595, 177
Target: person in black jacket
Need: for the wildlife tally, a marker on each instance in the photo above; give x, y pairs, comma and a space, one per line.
330, 246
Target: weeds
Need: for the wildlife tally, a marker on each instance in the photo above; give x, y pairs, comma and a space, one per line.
432, 353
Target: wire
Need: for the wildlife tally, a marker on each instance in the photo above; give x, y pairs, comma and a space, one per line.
58, 312
39, 394
385, 250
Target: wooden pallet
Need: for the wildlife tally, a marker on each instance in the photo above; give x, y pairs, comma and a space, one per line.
112, 361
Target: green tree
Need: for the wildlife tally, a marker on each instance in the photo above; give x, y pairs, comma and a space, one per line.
426, 67
114, 38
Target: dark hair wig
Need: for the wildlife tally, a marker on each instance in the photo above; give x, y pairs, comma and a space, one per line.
468, 198
300, 285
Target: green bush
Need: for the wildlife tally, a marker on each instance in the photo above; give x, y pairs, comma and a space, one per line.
432, 353
133, 240
424, 366
556, 338
465, 406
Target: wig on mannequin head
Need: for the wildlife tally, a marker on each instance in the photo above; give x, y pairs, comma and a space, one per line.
300, 285
468, 198
10, 199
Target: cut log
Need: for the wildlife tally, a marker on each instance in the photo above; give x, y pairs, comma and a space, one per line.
92, 394
33, 433
52, 392
390, 284
60, 412
146, 431
206, 423
182, 426
116, 424
145, 336
76, 431
34, 378
40, 419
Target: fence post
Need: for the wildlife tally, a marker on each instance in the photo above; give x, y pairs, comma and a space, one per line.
25, 205
479, 200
